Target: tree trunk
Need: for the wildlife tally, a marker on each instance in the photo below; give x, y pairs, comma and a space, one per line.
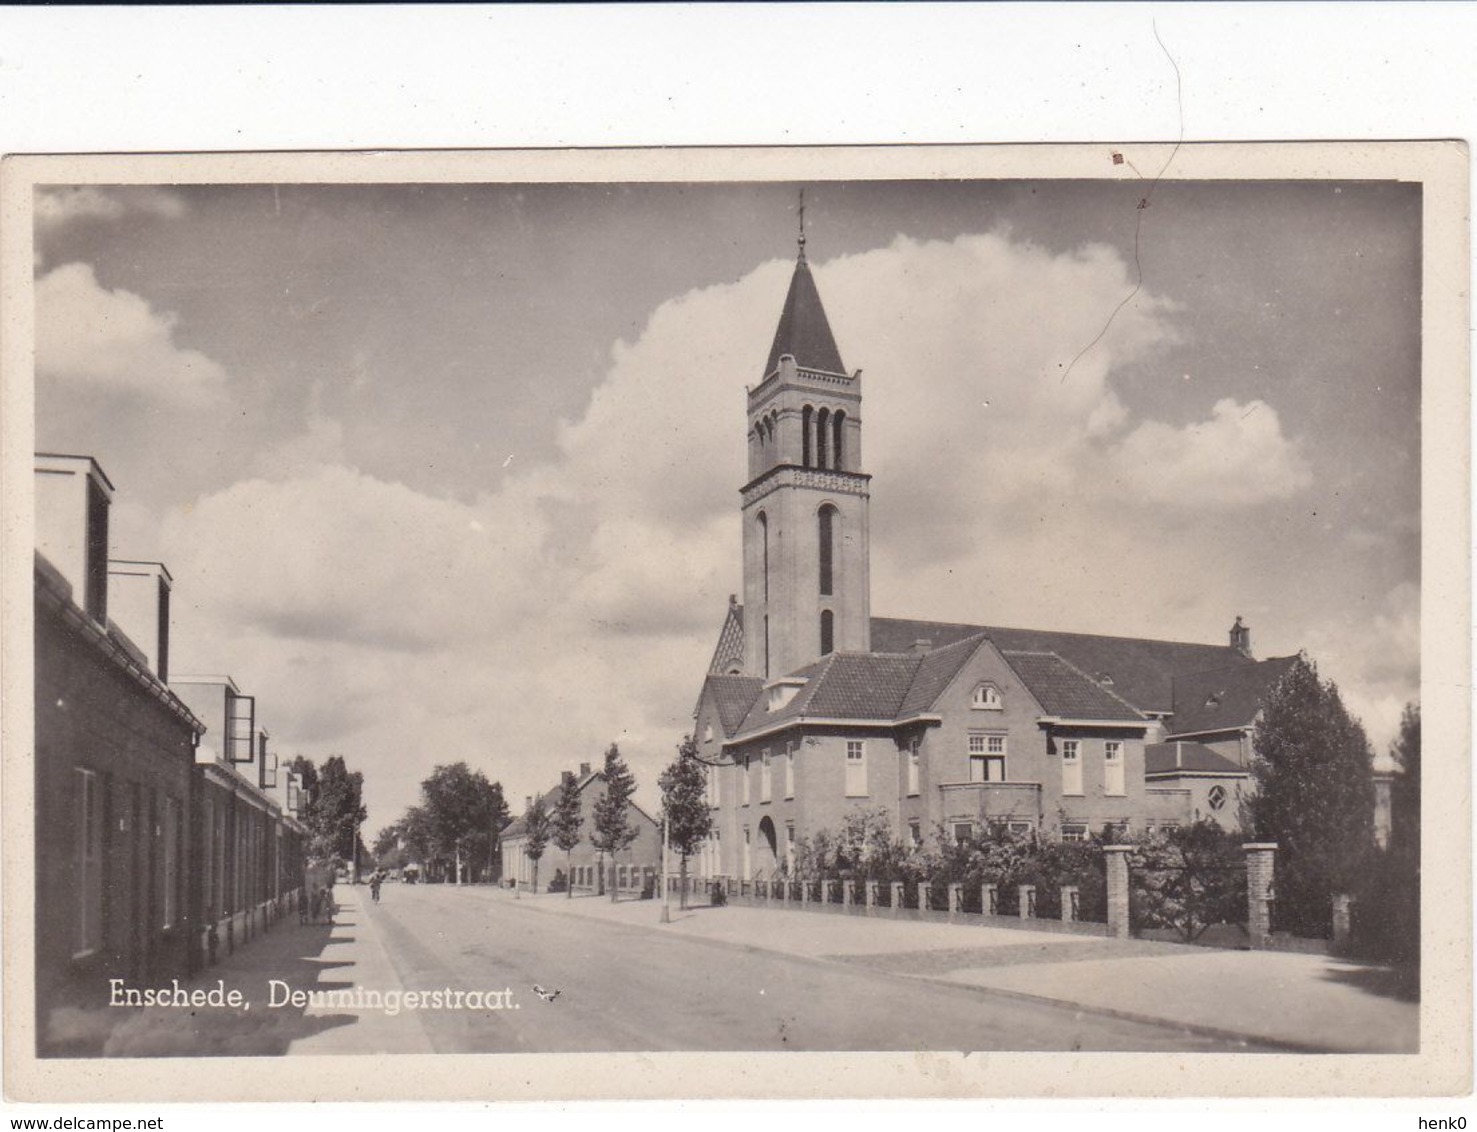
568, 874
458, 864
535, 876
682, 882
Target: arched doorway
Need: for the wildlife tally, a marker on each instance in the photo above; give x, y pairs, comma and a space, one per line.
766, 857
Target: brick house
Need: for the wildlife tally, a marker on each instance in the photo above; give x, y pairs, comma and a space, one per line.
588, 869
812, 707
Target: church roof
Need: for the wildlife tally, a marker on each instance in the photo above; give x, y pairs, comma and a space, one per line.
1183, 755
803, 332
1225, 698
734, 696
1132, 671
1138, 670
1065, 691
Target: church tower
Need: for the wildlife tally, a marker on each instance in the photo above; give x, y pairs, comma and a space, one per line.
807, 586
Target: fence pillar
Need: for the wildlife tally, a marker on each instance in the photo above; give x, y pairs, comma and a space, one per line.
1260, 871
804, 892
896, 899
989, 900
1116, 859
846, 893
1069, 902
1027, 895
871, 894
1341, 926
956, 899
923, 896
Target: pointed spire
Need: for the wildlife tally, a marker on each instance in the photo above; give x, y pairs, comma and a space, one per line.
804, 332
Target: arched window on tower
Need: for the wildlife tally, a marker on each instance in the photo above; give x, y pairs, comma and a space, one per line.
806, 416
822, 426
837, 422
764, 545
826, 530
828, 632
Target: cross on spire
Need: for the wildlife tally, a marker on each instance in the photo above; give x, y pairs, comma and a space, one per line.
802, 224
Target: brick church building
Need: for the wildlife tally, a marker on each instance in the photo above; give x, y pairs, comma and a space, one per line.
812, 706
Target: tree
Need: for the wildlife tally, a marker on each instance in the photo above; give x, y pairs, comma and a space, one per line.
685, 812
613, 831
387, 840
333, 807
1314, 796
464, 813
1405, 790
536, 834
565, 826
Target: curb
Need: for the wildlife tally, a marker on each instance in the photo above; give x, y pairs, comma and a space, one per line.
1273, 1045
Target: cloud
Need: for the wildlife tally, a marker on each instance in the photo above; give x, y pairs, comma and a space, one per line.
87, 335
577, 600
56, 207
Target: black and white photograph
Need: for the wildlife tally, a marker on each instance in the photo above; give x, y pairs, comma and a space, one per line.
647, 607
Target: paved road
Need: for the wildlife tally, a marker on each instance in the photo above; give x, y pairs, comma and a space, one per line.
633, 989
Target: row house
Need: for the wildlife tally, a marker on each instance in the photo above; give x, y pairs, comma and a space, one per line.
138, 862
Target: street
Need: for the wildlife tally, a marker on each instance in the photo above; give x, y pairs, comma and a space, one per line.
627, 988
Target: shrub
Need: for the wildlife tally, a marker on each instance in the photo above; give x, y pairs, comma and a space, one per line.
719, 897
1194, 878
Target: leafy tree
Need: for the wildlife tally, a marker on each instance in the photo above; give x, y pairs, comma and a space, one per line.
1314, 797
565, 825
333, 807
1405, 790
1387, 907
464, 813
685, 811
536, 834
387, 840
613, 830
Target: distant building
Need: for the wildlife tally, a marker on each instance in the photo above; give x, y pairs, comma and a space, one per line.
587, 869
813, 707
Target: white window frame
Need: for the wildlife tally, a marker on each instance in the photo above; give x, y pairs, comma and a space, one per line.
1115, 778
856, 768
986, 697
915, 833
743, 772
956, 826
987, 753
766, 777
912, 757
89, 858
1074, 831
790, 772
1072, 767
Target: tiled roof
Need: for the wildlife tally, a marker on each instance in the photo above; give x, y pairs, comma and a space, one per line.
730, 649
843, 685
936, 669
734, 696
1142, 671
1166, 758
1065, 691
1225, 698
519, 825
803, 331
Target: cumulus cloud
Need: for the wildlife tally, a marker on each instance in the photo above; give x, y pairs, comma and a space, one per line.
577, 602
113, 340
58, 206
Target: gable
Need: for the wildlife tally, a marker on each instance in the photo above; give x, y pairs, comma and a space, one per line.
1225, 699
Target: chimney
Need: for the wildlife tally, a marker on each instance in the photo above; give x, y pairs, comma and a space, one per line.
732, 600
922, 644
527, 802
584, 770
1241, 637
138, 603
72, 500
566, 777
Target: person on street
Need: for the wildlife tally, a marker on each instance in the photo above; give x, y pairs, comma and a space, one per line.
375, 881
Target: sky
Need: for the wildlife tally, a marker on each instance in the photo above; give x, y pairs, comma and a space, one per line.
450, 472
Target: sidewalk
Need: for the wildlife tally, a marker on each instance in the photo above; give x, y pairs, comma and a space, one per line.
1311, 1002
311, 957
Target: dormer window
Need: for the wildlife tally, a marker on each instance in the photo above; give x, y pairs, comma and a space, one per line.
780, 692
986, 698
708, 733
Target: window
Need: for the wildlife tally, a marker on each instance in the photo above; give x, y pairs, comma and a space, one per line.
1074, 831
790, 772
1217, 796
240, 726
1071, 766
913, 768
963, 831
987, 698
827, 521
88, 808
766, 780
790, 845
1113, 768
987, 758
708, 733
710, 788
856, 768
743, 773
746, 853
828, 632
170, 833
915, 833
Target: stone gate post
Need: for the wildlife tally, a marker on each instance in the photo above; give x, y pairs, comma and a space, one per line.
1116, 859
1261, 857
